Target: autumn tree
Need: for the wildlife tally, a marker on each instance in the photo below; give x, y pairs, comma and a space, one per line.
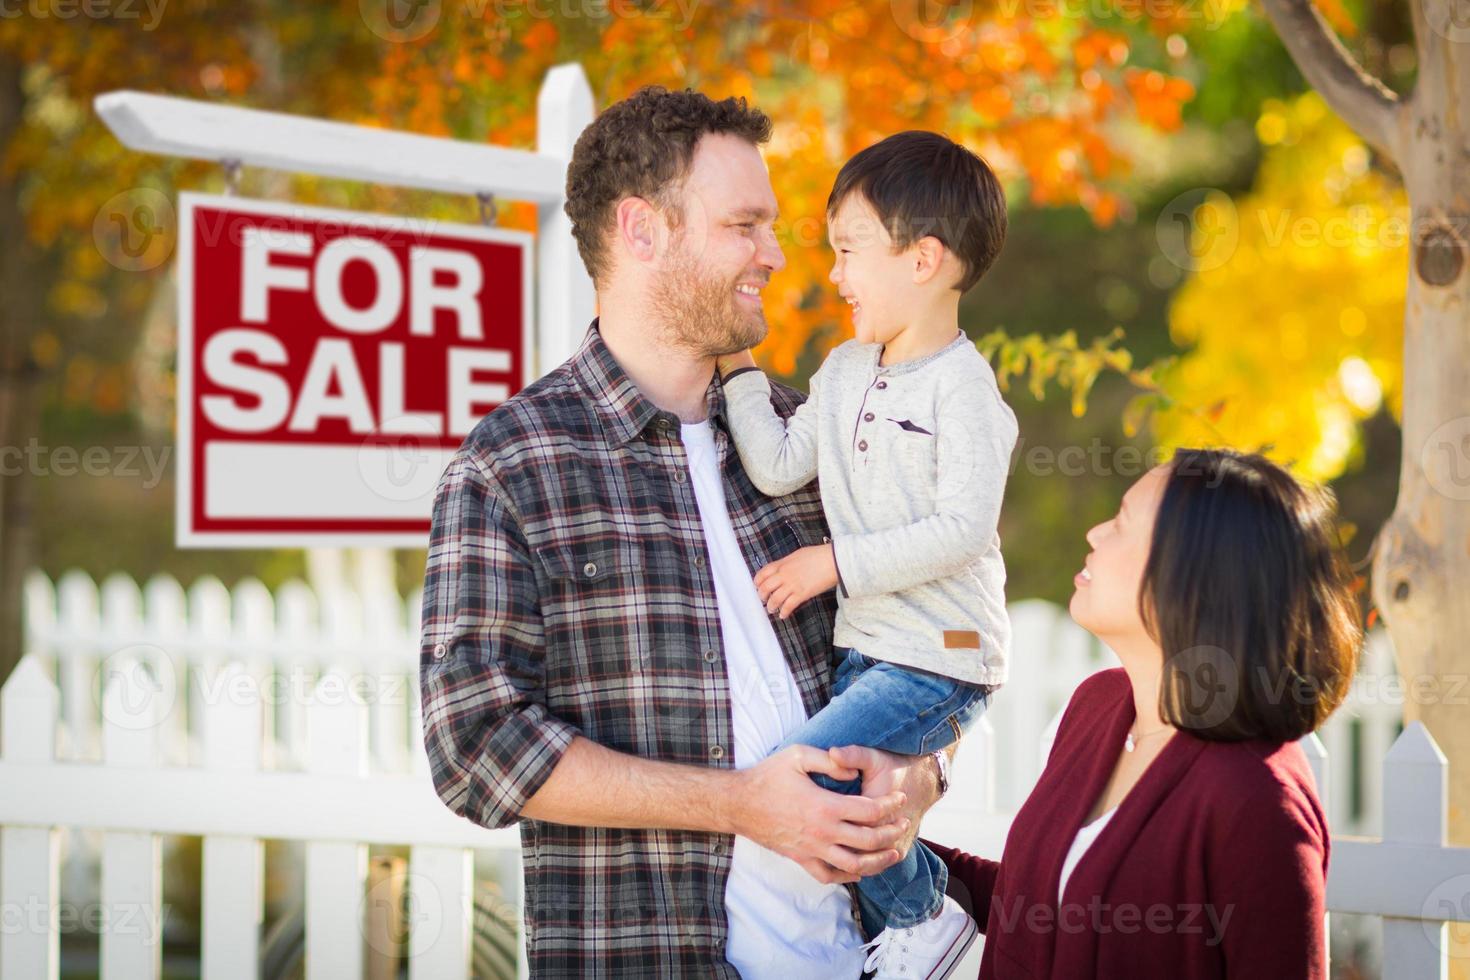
1034, 89
1421, 570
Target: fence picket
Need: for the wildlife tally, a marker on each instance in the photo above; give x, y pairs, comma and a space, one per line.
76, 596
30, 857
253, 618
296, 668
39, 605
441, 904
233, 879
336, 871
1318, 759
166, 618
131, 885
1416, 789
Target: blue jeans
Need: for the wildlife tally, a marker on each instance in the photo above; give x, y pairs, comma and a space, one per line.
909, 712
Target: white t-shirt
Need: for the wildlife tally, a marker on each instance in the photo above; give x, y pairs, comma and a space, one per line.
1086, 834
783, 923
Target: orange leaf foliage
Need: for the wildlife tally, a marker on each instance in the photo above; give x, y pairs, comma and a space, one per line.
1027, 83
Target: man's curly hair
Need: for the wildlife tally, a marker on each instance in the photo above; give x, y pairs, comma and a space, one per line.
643, 147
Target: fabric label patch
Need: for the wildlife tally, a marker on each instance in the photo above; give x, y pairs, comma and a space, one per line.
961, 640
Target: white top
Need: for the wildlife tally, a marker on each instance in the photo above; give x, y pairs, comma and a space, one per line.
1085, 836
783, 923
912, 459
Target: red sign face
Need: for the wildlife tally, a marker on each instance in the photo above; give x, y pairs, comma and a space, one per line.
330, 363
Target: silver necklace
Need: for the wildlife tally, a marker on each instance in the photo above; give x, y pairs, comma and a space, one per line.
1130, 742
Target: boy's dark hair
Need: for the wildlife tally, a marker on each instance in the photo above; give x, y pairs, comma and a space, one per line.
1248, 592
642, 147
922, 184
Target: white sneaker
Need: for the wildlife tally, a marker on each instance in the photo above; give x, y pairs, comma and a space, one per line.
928, 951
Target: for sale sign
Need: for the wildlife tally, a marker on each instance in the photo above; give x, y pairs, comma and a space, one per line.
330, 363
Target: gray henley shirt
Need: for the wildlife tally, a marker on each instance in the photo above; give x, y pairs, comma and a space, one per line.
912, 460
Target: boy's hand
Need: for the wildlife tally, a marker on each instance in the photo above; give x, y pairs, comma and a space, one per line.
806, 572
726, 363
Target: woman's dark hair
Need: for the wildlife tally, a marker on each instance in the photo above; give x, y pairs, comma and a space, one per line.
921, 184
1250, 595
641, 147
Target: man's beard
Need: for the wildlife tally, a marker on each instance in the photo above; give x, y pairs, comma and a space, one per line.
699, 312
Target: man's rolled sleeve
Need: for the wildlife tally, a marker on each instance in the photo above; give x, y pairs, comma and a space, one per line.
490, 740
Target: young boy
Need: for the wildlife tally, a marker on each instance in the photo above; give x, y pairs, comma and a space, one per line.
908, 434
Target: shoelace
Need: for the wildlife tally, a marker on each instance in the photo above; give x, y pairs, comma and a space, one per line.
881, 948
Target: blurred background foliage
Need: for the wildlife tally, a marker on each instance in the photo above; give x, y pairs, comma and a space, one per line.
1167, 177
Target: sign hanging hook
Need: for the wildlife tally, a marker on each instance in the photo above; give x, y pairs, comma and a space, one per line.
489, 210
231, 166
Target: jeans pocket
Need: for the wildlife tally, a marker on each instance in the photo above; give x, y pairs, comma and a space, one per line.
960, 719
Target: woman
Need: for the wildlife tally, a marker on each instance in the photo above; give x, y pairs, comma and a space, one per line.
1176, 832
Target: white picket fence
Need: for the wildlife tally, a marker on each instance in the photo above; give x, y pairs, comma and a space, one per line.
240, 716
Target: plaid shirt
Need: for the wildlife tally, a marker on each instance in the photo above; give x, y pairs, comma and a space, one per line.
568, 592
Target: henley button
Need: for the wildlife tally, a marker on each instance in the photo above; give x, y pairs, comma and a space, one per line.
882, 385
863, 446
868, 417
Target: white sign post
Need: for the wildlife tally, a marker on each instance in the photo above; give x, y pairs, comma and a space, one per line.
238, 137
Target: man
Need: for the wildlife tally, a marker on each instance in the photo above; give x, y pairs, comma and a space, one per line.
596, 663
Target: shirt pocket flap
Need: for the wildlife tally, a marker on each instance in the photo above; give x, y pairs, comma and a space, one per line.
595, 561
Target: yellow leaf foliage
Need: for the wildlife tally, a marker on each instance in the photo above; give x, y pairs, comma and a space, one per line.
1294, 316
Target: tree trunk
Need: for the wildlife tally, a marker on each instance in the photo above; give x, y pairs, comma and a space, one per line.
1421, 573
1421, 569
20, 312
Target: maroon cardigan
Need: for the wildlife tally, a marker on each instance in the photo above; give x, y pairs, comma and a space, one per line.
1214, 865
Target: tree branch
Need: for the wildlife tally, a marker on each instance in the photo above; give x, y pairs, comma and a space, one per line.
1363, 102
